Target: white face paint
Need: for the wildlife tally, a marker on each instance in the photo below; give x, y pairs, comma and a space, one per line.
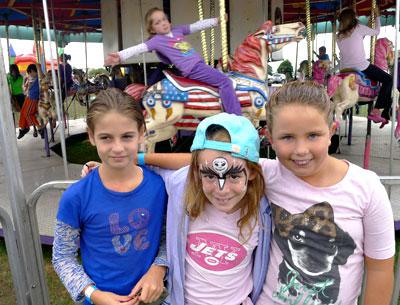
220, 165
223, 178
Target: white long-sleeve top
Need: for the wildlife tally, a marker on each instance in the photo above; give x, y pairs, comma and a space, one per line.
352, 53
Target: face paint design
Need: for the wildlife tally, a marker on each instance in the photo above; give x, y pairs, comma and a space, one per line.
219, 171
220, 166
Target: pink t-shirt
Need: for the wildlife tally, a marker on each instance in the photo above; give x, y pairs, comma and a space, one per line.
320, 236
218, 262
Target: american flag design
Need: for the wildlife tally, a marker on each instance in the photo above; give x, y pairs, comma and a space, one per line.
197, 99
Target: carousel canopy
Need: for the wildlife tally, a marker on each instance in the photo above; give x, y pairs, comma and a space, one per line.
71, 16
326, 10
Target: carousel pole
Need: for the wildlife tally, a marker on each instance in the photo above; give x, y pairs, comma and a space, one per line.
58, 102
56, 41
395, 94
334, 41
309, 46
212, 34
58, 74
395, 100
224, 38
86, 69
295, 63
203, 32
367, 149
373, 38
142, 37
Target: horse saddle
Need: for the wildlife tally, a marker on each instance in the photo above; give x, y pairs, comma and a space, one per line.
186, 84
361, 78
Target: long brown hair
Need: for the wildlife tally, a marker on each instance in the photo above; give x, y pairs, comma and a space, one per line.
114, 99
307, 93
195, 199
347, 22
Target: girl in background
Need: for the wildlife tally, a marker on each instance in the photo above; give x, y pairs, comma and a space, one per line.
352, 56
171, 48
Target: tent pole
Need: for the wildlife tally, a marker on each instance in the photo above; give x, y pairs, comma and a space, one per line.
8, 43
58, 102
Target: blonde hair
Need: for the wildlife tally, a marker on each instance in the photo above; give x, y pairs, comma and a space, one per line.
347, 22
114, 99
195, 199
307, 93
149, 21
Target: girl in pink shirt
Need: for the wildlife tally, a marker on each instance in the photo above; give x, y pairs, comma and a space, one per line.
352, 56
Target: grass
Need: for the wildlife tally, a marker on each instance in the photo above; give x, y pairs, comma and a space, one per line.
79, 149
58, 295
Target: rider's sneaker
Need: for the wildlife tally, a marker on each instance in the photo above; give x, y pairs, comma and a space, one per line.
377, 118
22, 132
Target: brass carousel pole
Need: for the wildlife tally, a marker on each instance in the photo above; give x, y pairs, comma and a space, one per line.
309, 46
224, 38
202, 32
212, 34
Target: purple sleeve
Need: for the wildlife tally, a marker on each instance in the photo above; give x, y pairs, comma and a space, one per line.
184, 29
379, 242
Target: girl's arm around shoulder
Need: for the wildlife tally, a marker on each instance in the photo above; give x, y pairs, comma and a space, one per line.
169, 161
379, 285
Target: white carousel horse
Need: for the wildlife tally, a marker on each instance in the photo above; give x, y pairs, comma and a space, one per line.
179, 103
367, 90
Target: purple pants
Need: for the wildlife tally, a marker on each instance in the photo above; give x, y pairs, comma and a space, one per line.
213, 77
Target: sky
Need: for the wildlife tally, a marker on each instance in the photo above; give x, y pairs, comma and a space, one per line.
96, 56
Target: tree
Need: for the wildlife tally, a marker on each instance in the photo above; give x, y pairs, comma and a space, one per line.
286, 68
269, 69
93, 72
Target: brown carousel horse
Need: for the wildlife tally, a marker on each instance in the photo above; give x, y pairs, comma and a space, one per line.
179, 103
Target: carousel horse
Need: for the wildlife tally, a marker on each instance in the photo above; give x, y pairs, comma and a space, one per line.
367, 89
83, 87
179, 103
47, 104
321, 70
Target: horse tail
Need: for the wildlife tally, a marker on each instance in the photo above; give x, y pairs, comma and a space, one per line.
136, 91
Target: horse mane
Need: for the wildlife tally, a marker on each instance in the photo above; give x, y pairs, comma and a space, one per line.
247, 56
383, 53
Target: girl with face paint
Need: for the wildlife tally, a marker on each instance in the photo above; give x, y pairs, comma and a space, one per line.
218, 221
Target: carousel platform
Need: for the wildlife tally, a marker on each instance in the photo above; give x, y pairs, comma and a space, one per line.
38, 169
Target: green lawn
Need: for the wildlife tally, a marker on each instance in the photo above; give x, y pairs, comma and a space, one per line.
57, 293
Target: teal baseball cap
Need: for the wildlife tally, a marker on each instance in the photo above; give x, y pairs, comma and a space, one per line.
245, 142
